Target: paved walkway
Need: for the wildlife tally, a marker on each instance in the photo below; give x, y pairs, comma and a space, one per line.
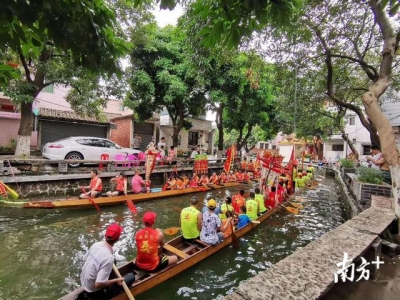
309, 272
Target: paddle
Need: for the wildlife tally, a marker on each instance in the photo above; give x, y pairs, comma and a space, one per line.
171, 230
255, 222
292, 210
297, 205
91, 200
131, 206
126, 289
235, 239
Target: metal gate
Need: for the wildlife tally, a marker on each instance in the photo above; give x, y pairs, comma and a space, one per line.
145, 131
51, 131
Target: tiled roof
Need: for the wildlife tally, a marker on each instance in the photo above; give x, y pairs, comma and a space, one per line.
48, 113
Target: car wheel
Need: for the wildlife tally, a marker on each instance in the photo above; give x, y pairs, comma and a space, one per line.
74, 156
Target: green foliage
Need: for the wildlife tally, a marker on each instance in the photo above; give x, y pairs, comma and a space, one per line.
163, 76
347, 163
369, 175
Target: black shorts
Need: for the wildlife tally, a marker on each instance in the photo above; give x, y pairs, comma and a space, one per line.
190, 241
162, 264
120, 193
98, 194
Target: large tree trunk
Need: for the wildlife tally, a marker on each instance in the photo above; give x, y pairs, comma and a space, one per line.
371, 98
175, 135
220, 126
25, 130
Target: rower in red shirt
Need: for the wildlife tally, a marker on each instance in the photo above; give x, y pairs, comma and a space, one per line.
214, 178
204, 180
238, 201
223, 178
239, 176
194, 182
246, 176
270, 200
231, 177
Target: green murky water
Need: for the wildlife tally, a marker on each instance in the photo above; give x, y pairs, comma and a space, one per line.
42, 250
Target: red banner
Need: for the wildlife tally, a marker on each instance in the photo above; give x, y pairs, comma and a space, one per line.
230, 156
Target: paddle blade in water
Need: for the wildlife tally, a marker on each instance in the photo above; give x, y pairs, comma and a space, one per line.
131, 206
297, 205
13, 193
172, 230
293, 210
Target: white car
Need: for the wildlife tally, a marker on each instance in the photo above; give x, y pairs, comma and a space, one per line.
84, 147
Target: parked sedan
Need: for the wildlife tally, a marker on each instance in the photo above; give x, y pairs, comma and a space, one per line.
84, 147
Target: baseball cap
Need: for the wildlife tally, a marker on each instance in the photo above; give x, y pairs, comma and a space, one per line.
211, 203
113, 231
149, 218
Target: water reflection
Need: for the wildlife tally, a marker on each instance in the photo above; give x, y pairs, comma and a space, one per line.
42, 250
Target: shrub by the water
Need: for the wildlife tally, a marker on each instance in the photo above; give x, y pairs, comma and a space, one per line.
347, 163
369, 175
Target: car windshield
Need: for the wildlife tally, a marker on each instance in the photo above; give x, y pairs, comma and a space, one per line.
117, 146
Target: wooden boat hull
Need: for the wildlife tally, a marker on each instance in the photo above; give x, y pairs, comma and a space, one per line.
153, 279
107, 201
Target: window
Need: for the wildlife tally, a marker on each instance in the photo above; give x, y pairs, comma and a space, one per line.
261, 145
49, 89
366, 150
273, 147
193, 138
352, 120
337, 147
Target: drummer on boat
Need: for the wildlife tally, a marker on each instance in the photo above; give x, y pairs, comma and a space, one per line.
149, 241
121, 185
95, 187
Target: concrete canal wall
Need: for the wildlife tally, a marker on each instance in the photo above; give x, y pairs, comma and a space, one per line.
49, 185
309, 272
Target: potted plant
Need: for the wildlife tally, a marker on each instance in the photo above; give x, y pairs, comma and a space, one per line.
369, 182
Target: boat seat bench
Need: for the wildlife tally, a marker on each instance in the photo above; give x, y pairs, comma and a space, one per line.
176, 251
190, 248
200, 242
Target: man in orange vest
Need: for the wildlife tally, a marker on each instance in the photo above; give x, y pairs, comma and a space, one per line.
96, 186
238, 201
148, 242
121, 185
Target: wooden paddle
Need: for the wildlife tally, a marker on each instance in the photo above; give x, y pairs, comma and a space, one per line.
126, 289
171, 230
292, 210
235, 239
91, 200
255, 222
131, 206
297, 205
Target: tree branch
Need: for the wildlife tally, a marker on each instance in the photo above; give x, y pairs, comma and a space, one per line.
24, 64
366, 67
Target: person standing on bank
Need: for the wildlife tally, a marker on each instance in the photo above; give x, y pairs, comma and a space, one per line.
379, 161
95, 186
162, 143
190, 220
122, 185
97, 266
136, 142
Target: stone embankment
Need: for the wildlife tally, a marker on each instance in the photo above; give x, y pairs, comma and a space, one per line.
309, 272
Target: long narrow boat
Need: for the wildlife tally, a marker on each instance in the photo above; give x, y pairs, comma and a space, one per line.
188, 255
107, 201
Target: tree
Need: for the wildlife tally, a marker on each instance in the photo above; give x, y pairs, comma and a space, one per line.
49, 41
162, 76
254, 105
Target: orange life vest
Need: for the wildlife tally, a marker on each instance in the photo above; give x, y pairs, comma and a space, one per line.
237, 202
147, 248
93, 182
120, 184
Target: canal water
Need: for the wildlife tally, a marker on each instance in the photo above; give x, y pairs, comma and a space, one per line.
42, 250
